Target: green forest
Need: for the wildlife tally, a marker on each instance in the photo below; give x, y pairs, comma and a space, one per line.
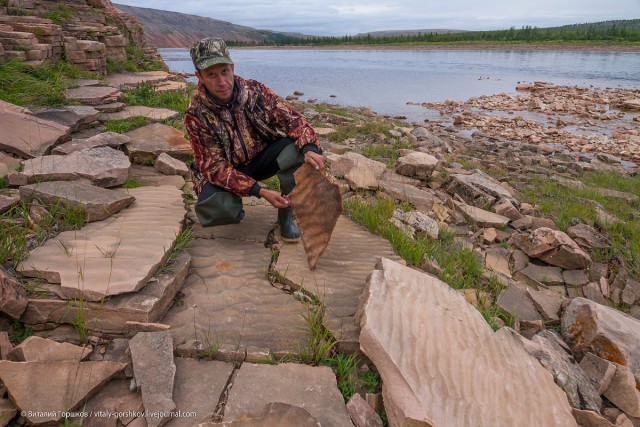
621, 31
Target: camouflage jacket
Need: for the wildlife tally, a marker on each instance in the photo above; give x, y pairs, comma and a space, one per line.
225, 137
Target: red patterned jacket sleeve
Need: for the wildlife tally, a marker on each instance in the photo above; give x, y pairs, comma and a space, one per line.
210, 160
291, 121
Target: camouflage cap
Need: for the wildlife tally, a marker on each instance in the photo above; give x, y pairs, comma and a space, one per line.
208, 52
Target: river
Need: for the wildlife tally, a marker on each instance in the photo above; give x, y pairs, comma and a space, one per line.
386, 80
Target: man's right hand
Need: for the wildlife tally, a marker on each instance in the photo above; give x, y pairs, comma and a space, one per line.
275, 198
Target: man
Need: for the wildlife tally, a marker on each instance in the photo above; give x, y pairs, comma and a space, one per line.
241, 132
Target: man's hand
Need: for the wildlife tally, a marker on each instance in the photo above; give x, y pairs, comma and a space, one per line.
273, 197
314, 159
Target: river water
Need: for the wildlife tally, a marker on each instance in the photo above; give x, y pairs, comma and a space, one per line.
386, 80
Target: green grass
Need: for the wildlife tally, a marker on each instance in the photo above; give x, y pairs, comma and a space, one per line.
147, 95
126, 125
132, 182
20, 332
492, 313
136, 61
569, 206
272, 183
182, 241
371, 129
460, 268
42, 85
319, 340
385, 153
17, 232
344, 366
371, 381
60, 15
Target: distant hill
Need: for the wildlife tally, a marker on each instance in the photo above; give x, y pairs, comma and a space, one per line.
173, 29
395, 33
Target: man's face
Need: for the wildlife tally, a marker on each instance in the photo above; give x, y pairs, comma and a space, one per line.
218, 79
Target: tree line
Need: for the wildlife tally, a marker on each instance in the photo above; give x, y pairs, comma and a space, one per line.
606, 31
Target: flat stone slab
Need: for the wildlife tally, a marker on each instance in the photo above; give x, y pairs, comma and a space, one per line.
97, 203
422, 200
93, 95
340, 275
111, 316
153, 114
197, 388
227, 298
149, 176
114, 400
441, 363
103, 166
149, 141
481, 217
479, 189
152, 352
115, 256
104, 139
312, 388
273, 414
44, 390
74, 116
37, 349
28, 136
135, 79
170, 86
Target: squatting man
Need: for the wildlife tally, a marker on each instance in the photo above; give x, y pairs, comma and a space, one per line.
241, 132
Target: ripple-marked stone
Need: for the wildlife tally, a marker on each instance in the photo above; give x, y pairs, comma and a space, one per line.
115, 256
442, 365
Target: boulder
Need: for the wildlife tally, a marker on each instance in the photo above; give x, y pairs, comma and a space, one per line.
403, 314
104, 167
97, 203
416, 165
590, 327
588, 237
553, 247
479, 189
361, 177
340, 165
149, 141
170, 166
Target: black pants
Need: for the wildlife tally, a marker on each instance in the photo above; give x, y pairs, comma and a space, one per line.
217, 206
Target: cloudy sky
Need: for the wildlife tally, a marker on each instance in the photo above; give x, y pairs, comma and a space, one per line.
338, 18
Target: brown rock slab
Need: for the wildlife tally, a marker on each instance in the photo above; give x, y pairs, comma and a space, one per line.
534, 274
149, 141
93, 95
591, 419
111, 258
416, 165
273, 414
361, 177
361, 413
216, 310
28, 136
548, 303
103, 166
421, 199
429, 344
588, 237
137, 78
5, 346
46, 389
152, 114
497, 260
553, 247
112, 404
599, 371
13, 296
622, 391
340, 165
340, 277
7, 411
197, 388
478, 189
313, 388
151, 353
170, 166
74, 116
97, 203
514, 301
105, 139
575, 277
481, 217
149, 176
131, 328
317, 205
147, 305
505, 208
8, 202
37, 349
590, 327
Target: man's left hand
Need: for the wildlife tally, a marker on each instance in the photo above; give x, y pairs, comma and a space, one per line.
314, 159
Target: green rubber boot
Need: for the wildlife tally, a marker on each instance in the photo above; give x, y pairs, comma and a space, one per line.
288, 228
